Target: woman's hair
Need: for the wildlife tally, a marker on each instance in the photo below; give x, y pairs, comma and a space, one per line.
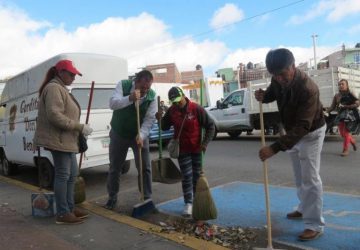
52, 72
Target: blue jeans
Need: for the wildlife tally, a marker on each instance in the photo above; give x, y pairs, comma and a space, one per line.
66, 170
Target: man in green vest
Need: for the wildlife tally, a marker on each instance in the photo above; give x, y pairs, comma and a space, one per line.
124, 134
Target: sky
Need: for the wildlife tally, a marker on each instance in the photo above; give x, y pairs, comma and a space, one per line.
215, 34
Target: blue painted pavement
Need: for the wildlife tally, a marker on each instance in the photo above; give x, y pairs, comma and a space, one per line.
243, 204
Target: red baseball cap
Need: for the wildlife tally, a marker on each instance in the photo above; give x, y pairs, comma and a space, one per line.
68, 66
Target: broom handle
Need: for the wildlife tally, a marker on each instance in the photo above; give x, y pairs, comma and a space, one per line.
39, 170
159, 126
87, 116
139, 150
266, 183
202, 130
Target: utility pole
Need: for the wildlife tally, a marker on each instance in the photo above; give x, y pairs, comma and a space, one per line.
314, 36
238, 76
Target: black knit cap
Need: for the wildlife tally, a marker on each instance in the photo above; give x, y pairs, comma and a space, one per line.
278, 60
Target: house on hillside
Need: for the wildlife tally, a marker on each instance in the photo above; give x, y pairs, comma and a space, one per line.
346, 57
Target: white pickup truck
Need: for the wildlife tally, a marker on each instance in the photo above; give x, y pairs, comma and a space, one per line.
239, 111
19, 109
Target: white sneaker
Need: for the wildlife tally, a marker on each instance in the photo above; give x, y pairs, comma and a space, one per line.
187, 212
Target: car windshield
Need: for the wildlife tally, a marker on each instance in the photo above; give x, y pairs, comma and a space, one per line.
100, 97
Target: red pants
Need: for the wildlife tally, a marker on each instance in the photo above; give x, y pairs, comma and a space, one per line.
344, 132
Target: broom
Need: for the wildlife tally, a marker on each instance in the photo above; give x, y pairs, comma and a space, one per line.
79, 189
203, 206
266, 187
145, 206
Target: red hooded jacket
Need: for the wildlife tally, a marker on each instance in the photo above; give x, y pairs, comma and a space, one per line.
195, 118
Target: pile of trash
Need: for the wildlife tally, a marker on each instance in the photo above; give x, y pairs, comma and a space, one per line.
231, 237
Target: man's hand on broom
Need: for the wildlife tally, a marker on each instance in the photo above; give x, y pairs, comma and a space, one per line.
159, 115
203, 148
265, 153
139, 141
135, 95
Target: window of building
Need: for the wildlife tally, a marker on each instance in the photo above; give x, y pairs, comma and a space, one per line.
357, 58
193, 94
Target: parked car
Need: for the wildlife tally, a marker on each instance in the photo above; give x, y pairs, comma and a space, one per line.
165, 135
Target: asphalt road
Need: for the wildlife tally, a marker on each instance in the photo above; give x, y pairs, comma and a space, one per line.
227, 160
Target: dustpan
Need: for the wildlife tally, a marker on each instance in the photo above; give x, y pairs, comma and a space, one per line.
43, 201
164, 170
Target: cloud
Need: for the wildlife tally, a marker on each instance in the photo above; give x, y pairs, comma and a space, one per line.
26, 42
18, 34
342, 9
354, 29
226, 15
142, 40
334, 10
257, 55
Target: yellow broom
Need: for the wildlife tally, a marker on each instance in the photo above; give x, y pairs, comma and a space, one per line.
203, 206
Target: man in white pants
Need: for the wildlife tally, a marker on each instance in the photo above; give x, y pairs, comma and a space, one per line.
300, 109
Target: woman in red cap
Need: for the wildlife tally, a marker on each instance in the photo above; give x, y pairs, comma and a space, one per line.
57, 130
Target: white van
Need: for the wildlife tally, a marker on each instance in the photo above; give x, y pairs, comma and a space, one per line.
19, 102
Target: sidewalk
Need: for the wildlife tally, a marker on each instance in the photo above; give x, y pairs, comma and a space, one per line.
19, 230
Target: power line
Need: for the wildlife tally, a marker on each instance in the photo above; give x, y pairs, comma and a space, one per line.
219, 28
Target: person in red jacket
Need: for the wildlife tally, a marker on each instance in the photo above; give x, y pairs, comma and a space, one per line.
188, 119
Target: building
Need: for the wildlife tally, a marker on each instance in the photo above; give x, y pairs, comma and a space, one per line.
189, 77
346, 57
192, 80
165, 73
250, 73
239, 78
230, 82
169, 74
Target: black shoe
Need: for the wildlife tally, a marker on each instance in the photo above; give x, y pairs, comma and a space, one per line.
110, 204
296, 215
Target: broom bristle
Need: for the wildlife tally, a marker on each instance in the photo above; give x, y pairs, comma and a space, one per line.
203, 206
79, 190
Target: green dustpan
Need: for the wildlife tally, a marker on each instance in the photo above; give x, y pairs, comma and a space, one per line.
164, 170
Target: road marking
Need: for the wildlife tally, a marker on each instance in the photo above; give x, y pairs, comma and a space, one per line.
22, 184
340, 214
177, 237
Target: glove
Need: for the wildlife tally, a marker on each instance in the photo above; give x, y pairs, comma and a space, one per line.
87, 130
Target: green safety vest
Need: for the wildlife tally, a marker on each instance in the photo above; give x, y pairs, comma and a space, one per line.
123, 121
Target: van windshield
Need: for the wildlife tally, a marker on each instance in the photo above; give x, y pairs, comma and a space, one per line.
100, 97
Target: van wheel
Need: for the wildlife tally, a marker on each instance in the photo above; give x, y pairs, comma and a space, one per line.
8, 168
126, 167
46, 173
234, 134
